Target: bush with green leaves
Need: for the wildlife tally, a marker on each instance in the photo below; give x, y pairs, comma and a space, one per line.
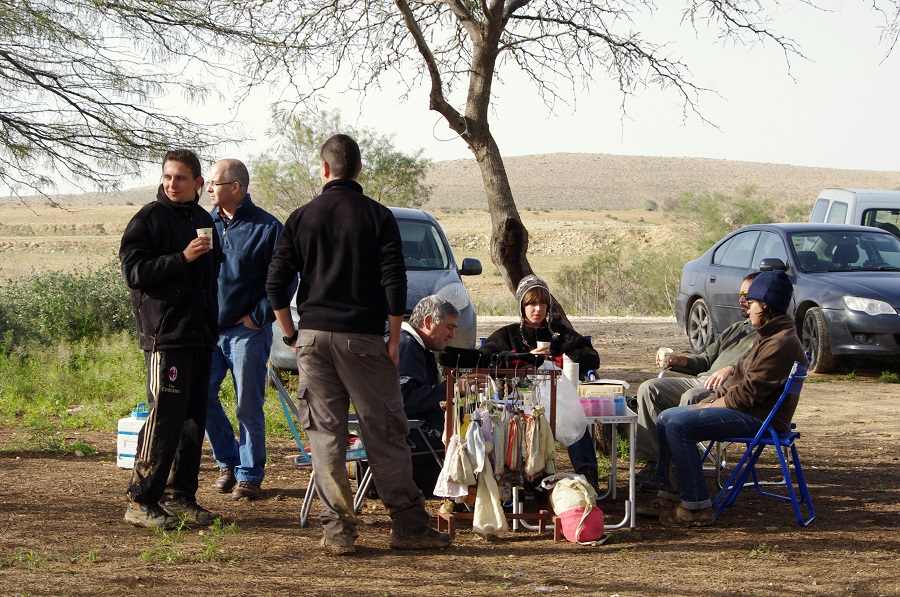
287, 176
44, 307
623, 280
713, 215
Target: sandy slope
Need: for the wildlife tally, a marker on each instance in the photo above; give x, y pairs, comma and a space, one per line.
596, 181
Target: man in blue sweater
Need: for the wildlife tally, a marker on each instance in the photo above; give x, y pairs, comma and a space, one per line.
248, 235
348, 251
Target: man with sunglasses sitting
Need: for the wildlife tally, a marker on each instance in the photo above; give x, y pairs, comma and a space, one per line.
711, 369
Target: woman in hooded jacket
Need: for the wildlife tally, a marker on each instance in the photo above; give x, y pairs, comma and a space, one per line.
536, 326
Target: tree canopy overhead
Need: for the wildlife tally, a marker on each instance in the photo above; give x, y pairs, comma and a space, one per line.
88, 87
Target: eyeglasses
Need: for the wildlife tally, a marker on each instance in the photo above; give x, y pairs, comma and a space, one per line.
743, 293
214, 183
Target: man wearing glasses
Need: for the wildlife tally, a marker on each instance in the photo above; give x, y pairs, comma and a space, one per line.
712, 369
248, 235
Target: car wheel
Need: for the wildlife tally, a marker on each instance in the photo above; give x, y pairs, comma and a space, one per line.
814, 337
699, 326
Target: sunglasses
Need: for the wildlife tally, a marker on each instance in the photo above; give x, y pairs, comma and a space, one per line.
743, 293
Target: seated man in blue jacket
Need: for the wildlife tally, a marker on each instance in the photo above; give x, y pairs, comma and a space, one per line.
430, 328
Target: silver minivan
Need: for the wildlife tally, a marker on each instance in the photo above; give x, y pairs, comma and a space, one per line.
866, 207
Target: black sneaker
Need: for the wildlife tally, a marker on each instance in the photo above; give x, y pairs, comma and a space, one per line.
647, 473
188, 510
149, 516
430, 539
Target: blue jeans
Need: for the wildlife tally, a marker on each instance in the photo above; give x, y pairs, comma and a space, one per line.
678, 430
583, 453
244, 352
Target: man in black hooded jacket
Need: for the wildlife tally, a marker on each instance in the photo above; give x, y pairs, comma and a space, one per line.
172, 272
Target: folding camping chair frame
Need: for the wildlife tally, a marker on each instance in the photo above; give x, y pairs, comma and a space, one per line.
356, 455
768, 436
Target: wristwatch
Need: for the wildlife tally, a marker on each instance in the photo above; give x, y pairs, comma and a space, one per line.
292, 338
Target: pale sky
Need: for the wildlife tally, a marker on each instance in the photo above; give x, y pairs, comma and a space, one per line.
838, 110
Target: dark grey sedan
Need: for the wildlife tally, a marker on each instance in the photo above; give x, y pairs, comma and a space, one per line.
430, 269
846, 287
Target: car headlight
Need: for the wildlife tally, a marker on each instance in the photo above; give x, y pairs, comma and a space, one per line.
456, 294
870, 306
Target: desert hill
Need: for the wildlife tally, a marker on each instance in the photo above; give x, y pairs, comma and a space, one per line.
592, 181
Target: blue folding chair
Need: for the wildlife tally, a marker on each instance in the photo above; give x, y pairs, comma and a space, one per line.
303, 459
767, 436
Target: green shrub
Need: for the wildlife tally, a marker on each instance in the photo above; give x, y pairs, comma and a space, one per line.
713, 215
888, 377
623, 281
44, 307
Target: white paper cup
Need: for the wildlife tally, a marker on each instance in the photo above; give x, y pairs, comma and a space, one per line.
205, 233
543, 345
662, 355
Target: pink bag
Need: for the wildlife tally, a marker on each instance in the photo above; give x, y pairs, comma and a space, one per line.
579, 526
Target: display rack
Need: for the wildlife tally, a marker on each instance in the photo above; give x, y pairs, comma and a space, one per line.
543, 517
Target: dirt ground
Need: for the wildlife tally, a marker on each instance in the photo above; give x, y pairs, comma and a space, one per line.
63, 534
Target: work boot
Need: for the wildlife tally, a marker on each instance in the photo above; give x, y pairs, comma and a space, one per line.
654, 508
150, 516
225, 482
430, 539
684, 517
246, 490
339, 546
189, 511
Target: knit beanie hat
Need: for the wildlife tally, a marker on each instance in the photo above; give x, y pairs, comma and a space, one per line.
772, 288
526, 284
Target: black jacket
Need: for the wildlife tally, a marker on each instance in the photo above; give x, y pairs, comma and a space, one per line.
174, 302
348, 252
420, 382
563, 340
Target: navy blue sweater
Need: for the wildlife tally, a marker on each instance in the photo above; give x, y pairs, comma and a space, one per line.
248, 243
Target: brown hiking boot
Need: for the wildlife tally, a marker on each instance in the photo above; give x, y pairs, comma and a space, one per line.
339, 546
188, 510
683, 517
150, 516
246, 490
225, 482
654, 508
430, 539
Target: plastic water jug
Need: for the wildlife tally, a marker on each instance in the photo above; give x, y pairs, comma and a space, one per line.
126, 443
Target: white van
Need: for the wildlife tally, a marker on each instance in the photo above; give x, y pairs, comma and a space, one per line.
867, 207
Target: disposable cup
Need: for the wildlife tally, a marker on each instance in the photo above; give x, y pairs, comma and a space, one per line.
663, 355
205, 233
543, 345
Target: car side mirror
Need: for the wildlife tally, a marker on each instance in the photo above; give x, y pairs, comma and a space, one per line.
770, 264
470, 267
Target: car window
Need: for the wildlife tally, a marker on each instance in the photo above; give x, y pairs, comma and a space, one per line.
886, 219
423, 247
819, 210
737, 251
838, 213
769, 245
845, 250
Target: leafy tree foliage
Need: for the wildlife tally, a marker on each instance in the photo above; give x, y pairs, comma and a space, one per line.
288, 175
82, 81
